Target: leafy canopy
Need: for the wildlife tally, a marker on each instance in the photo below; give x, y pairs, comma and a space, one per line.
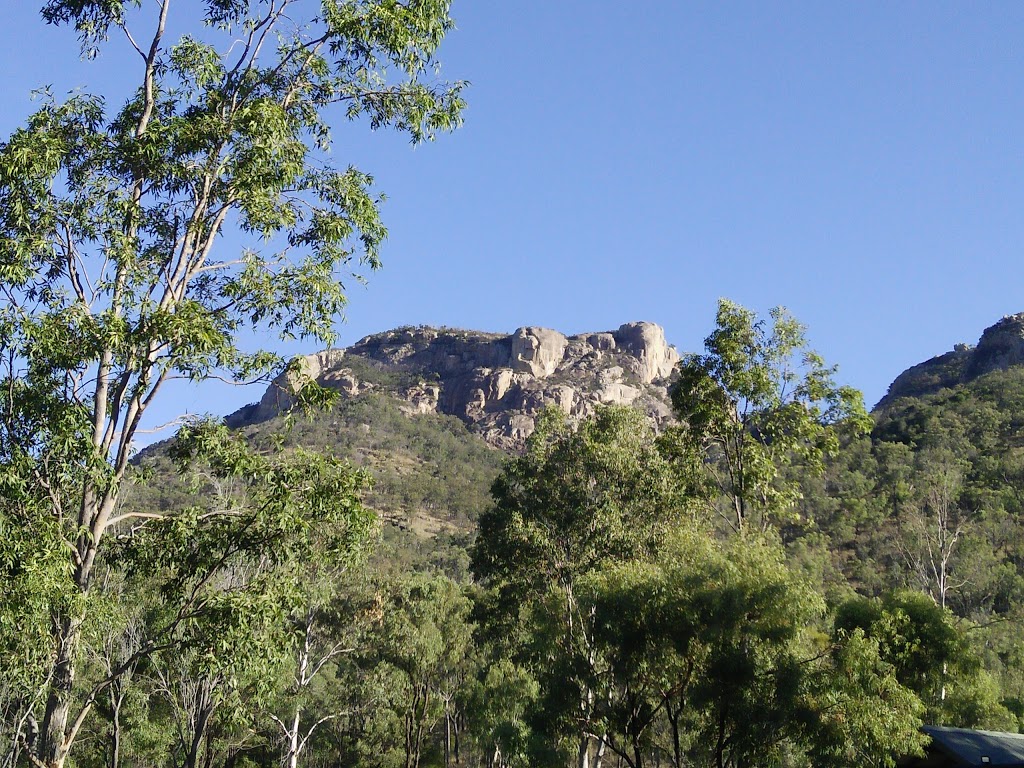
114, 276
758, 401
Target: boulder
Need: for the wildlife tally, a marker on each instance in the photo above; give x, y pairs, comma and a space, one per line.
562, 396
421, 398
601, 341
537, 351
280, 395
618, 394
499, 383
646, 342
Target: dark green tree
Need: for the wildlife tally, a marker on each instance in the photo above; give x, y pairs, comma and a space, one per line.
577, 502
715, 658
419, 664
931, 654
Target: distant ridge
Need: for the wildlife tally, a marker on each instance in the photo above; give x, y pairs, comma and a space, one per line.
496, 384
1001, 346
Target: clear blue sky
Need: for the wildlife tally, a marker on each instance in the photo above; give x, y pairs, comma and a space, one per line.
859, 163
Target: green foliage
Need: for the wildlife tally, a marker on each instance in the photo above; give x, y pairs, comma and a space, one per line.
758, 400
715, 661
576, 501
498, 709
110, 224
860, 713
416, 670
649, 637
930, 653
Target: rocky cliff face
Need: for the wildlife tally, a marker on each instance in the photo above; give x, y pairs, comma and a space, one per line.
1001, 346
496, 384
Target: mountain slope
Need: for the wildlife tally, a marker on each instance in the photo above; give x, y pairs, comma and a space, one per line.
1001, 347
433, 413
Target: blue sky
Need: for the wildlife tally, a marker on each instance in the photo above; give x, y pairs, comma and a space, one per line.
859, 163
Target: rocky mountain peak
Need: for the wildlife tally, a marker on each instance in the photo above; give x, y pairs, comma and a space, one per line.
497, 384
1001, 346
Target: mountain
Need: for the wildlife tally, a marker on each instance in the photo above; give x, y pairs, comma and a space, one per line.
432, 413
933, 499
1001, 347
495, 384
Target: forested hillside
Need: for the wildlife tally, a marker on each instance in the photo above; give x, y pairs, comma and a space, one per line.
772, 577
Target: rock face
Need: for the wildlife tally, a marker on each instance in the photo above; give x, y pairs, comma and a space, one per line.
1001, 346
496, 384
324, 367
655, 358
537, 351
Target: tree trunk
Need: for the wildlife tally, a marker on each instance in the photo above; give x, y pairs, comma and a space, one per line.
458, 730
447, 739
52, 749
204, 710
55, 740
720, 745
673, 721
293, 740
638, 755
602, 746
583, 755
116, 699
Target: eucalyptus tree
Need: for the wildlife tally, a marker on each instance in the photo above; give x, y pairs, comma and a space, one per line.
715, 656
932, 653
759, 400
935, 523
235, 578
417, 665
577, 502
111, 270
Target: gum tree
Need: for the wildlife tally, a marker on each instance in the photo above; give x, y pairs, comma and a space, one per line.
579, 501
113, 274
756, 403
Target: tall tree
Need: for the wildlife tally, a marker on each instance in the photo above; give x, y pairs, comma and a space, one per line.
578, 501
419, 659
932, 528
758, 400
234, 577
109, 228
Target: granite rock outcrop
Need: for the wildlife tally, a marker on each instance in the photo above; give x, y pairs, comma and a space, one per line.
1001, 346
497, 384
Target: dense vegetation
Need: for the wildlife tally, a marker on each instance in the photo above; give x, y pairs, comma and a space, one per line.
115, 280
779, 580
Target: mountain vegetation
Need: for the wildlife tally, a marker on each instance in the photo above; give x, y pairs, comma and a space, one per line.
443, 547
773, 577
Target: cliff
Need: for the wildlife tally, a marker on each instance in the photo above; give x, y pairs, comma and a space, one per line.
496, 384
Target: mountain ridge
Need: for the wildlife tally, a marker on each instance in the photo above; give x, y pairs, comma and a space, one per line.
496, 384
1001, 346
